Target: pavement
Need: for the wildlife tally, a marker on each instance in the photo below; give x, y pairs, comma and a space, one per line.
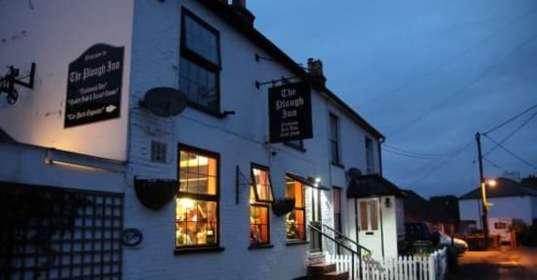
506, 263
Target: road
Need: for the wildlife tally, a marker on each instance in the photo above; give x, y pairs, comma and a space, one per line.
504, 264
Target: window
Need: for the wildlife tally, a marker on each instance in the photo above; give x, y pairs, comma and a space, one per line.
336, 192
334, 138
197, 221
199, 63
369, 219
295, 226
260, 197
370, 159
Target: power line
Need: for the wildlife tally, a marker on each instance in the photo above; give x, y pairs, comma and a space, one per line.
461, 90
495, 164
411, 152
510, 120
452, 58
444, 162
511, 134
406, 155
511, 152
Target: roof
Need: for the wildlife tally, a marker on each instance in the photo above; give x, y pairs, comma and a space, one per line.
371, 186
415, 207
504, 188
444, 209
5, 138
230, 15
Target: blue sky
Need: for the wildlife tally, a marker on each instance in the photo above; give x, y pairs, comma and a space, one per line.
428, 74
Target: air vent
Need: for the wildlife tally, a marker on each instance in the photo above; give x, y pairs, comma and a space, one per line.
158, 152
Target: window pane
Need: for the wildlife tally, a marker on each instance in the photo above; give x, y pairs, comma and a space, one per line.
374, 215
333, 128
259, 221
198, 84
335, 152
262, 184
196, 173
363, 216
196, 222
200, 40
295, 220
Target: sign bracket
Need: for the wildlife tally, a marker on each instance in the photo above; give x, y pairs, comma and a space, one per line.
283, 80
8, 82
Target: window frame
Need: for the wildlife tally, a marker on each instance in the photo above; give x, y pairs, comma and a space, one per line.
195, 58
338, 214
267, 170
336, 141
303, 209
267, 207
369, 151
200, 197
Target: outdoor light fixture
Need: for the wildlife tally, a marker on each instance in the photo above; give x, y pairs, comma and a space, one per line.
388, 202
492, 183
317, 181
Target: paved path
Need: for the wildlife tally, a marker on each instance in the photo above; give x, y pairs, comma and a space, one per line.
504, 264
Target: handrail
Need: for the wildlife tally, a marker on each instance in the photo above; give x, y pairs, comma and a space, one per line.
342, 236
353, 252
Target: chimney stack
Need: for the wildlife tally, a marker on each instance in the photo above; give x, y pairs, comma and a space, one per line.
239, 6
315, 71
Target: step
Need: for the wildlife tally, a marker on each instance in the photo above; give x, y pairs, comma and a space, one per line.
317, 271
337, 275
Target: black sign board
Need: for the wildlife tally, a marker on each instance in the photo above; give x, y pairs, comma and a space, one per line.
94, 86
290, 112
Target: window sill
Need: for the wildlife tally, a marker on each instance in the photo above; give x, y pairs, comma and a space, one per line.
337, 164
260, 246
185, 251
296, 242
205, 110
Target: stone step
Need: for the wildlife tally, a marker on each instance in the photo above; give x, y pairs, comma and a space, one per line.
317, 271
337, 275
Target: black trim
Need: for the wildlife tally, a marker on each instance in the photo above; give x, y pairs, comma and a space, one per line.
199, 60
203, 197
296, 242
187, 251
260, 246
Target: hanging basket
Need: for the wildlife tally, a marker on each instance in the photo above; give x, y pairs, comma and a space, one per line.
155, 193
283, 206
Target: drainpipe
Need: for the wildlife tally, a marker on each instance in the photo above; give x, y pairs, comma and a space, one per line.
380, 141
381, 227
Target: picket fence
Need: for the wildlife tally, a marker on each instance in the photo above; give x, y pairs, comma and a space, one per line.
429, 267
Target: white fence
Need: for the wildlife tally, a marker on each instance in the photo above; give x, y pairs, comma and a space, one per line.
430, 267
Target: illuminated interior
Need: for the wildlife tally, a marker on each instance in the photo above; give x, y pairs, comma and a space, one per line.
262, 185
197, 201
259, 208
295, 220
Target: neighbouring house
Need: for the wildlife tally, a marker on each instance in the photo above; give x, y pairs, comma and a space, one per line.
509, 199
141, 147
416, 207
444, 213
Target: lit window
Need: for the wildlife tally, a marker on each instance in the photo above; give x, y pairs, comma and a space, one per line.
261, 179
199, 63
295, 220
197, 200
260, 197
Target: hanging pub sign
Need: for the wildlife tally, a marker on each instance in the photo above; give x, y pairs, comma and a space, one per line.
290, 112
94, 86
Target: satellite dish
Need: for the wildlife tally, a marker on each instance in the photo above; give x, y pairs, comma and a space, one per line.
164, 101
354, 173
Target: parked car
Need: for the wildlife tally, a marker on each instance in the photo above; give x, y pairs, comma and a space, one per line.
417, 232
446, 240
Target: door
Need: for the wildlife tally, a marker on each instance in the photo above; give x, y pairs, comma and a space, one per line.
316, 220
369, 227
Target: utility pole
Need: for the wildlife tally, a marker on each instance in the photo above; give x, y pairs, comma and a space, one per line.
482, 184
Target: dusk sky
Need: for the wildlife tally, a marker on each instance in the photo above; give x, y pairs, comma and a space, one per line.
427, 74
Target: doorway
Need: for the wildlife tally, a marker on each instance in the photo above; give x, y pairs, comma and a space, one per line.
369, 224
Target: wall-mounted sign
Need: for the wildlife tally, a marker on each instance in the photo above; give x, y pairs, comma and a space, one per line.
290, 112
94, 86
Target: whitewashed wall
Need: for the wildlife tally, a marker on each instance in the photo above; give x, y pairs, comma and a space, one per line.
239, 141
52, 34
503, 207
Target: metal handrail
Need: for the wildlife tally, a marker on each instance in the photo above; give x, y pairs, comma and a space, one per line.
353, 252
342, 236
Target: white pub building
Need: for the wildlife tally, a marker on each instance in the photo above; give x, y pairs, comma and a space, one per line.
170, 139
